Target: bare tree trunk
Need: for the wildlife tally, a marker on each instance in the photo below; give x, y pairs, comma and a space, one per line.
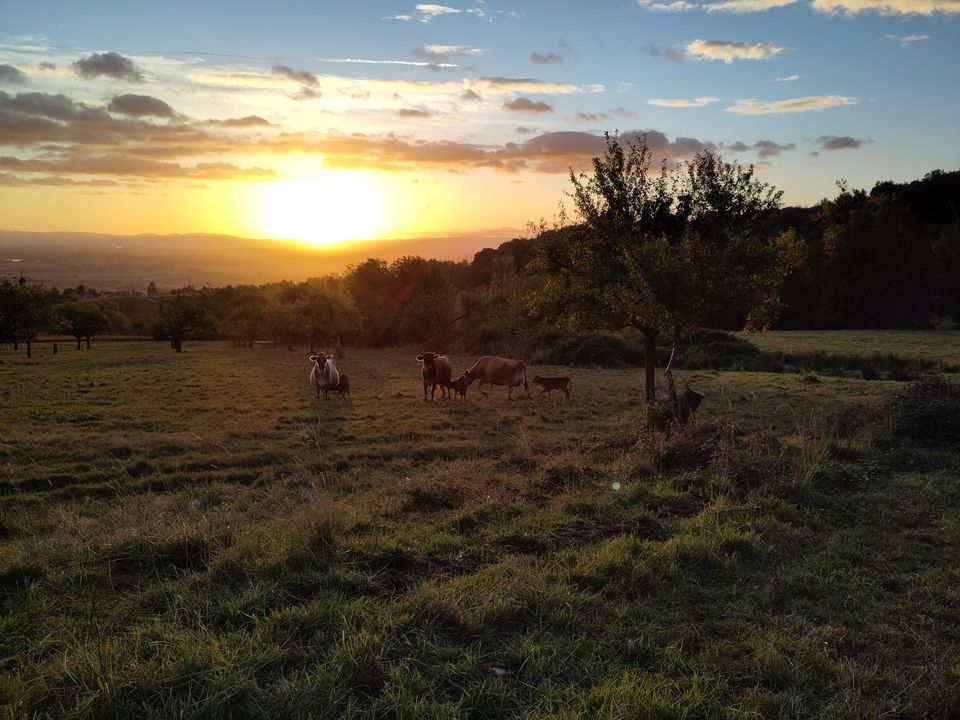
29, 349
78, 343
88, 343
650, 363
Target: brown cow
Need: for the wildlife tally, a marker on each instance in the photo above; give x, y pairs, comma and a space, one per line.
499, 371
435, 370
343, 389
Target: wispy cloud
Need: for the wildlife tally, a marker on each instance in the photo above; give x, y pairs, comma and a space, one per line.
526, 105
443, 52
787, 78
792, 105
425, 12
302, 76
846, 7
620, 112
414, 113
730, 6
546, 58
671, 54
729, 50
906, 39
840, 142
888, 7
681, 102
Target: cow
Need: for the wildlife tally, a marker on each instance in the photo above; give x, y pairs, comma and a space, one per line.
343, 389
324, 375
435, 370
459, 387
554, 383
499, 371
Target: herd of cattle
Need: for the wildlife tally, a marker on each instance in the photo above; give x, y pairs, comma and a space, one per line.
436, 371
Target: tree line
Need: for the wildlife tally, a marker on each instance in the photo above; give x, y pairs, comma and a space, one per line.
643, 253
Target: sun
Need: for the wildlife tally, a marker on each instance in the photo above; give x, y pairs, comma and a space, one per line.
324, 209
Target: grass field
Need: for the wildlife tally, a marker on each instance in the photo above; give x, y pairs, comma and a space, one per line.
935, 345
194, 535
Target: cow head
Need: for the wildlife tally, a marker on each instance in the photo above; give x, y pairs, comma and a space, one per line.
427, 358
469, 375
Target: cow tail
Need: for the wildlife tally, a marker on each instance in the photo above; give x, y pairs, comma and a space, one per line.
523, 367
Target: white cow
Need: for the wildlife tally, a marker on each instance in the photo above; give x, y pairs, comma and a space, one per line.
324, 375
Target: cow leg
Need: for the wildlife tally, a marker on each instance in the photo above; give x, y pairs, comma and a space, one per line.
424, 391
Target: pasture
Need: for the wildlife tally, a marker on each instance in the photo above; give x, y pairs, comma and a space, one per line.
194, 535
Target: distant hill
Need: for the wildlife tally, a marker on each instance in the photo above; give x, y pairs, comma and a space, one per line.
131, 262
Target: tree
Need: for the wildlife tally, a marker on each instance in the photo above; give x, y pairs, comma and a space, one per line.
181, 316
247, 316
661, 253
24, 311
152, 288
83, 320
327, 310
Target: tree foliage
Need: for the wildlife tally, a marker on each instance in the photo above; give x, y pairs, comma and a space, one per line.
660, 252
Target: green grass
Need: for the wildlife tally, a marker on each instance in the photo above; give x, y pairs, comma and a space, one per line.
195, 536
942, 346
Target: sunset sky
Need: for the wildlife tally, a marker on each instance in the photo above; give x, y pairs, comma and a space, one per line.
325, 122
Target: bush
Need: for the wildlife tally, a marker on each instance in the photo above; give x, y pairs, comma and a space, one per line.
553, 347
927, 412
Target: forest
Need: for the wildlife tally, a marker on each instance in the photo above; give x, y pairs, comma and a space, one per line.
885, 258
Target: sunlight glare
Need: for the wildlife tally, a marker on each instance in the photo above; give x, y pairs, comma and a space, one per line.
322, 210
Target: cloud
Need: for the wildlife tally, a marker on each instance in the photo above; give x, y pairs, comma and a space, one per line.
840, 142
546, 58
620, 112
301, 76
728, 50
746, 6
907, 39
668, 6
470, 95
109, 64
413, 113
731, 6
768, 148
10, 74
787, 78
140, 106
435, 10
242, 122
792, 105
435, 55
682, 103
671, 54
888, 7
526, 105
506, 85
524, 130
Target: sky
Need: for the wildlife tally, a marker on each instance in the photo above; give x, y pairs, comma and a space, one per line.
328, 122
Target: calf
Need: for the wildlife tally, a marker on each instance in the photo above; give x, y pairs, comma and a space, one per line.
435, 370
554, 383
499, 371
324, 376
343, 389
459, 387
